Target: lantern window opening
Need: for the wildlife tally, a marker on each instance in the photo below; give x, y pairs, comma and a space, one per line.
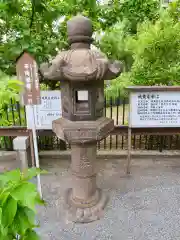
82, 101
82, 96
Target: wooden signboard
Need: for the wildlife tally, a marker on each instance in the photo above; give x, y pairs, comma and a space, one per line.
27, 72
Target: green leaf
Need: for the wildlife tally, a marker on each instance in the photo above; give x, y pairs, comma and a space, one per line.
21, 222
30, 215
31, 235
38, 200
14, 175
3, 197
24, 190
9, 211
33, 172
0, 216
15, 85
4, 233
26, 194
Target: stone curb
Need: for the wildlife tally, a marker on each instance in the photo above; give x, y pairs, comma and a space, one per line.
113, 154
7, 156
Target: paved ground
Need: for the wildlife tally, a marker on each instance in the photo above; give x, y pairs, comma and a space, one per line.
8, 161
144, 206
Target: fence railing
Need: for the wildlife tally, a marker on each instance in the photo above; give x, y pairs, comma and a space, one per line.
115, 108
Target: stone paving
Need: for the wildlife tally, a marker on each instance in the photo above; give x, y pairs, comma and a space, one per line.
144, 206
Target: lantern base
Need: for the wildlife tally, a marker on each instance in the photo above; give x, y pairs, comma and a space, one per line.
86, 212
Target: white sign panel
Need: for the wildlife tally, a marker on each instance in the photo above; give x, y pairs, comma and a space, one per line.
154, 109
49, 110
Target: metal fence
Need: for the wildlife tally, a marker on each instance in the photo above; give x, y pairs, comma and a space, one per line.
115, 108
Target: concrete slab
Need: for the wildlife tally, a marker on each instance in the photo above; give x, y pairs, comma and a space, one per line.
144, 206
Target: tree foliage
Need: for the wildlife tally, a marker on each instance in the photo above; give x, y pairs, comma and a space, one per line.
129, 13
39, 26
151, 55
132, 31
10, 88
156, 52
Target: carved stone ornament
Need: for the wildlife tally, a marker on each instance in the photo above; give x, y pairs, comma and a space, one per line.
76, 132
80, 63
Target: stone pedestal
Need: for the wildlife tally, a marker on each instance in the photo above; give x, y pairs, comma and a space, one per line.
82, 167
84, 199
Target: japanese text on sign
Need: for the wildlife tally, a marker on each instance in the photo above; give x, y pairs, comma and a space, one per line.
155, 109
47, 111
27, 72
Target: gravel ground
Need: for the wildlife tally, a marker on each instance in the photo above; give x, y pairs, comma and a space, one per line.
144, 206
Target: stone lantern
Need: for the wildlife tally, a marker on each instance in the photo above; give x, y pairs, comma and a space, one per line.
82, 72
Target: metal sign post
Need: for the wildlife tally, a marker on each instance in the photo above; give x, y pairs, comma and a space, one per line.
129, 139
27, 72
36, 154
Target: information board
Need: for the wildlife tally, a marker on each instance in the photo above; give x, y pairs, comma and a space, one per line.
47, 111
154, 109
